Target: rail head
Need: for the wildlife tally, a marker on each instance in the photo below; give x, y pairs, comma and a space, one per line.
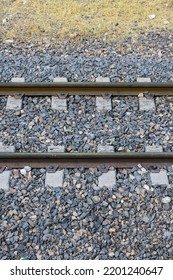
87, 160
85, 88
88, 84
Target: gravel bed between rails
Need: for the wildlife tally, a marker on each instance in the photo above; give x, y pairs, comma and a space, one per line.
82, 221
82, 128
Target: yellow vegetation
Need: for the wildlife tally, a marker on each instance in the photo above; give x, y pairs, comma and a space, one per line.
38, 19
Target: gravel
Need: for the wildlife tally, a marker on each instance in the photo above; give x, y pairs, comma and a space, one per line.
150, 55
128, 129
79, 221
82, 128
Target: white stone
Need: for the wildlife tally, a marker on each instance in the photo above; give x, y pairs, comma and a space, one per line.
96, 198
146, 104
143, 170
143, 80
33, 217
27, 168
59, 104
153, 149
151, 16
131, 177
18, 80
4, 180
23, 171
111, 254
166, 199
56, 149
60, 80
103, 104
160, 54
159, 178
105, 149
14, 103
107, 179
54, 179
146, 187
102, 79
166, 22
9, 41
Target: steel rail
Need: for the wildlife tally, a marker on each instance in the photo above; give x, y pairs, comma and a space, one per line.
85, 88
86, 160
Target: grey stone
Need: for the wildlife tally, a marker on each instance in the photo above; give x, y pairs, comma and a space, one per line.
21, 247
167, 206
42, 170
139, 178
90, 179
96, 198
117, 254
145, 219
167, 234
91, 136
166, 199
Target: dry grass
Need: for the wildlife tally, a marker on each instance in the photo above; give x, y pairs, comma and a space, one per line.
39, 19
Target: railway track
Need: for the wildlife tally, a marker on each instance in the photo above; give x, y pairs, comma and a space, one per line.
64, 196
105, 89
105, 158
85, 160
